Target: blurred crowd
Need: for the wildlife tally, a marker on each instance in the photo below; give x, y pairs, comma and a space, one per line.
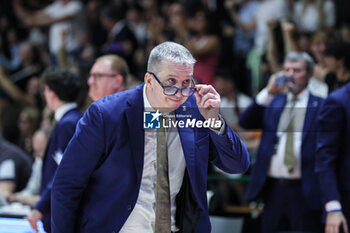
238, 45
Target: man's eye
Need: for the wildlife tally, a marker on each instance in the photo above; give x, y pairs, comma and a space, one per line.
186, 83
170, 82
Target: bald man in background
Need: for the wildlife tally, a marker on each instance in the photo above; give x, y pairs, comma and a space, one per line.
107, 76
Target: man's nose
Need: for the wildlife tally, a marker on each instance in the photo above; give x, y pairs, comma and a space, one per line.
290, 73
91, 80
178, 94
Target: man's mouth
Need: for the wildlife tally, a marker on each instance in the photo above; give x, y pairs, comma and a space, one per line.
176, 100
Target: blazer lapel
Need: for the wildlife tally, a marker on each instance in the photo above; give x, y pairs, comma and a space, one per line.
187, 137
275, 112
312, 107
134, 116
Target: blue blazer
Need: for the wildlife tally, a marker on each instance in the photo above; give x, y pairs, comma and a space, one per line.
58, 142
333, 145
267, 119
98, 180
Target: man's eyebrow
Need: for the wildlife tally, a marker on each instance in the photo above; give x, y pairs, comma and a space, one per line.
174, 75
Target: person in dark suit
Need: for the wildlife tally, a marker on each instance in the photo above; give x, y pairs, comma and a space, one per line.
333, 160
113, 177
283, 174
61, 90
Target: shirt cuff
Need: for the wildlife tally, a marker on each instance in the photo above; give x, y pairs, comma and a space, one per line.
333, 205
263, 97
220, 131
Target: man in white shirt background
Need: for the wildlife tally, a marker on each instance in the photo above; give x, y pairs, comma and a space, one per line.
283, 174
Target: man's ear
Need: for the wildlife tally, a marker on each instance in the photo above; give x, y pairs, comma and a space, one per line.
53, 95
148, 80
119, 80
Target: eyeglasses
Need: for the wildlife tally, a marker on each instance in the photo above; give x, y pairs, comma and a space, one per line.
172, 90
98, 76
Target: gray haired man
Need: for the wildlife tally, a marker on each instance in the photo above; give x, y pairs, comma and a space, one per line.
119, 174
283, 175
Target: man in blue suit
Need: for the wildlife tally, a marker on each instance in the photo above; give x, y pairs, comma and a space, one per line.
283, 174
61, 90
333, 159
109, 179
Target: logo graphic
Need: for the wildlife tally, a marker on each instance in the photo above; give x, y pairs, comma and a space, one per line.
151, 120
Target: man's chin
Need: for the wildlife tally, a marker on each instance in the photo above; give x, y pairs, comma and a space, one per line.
93, 96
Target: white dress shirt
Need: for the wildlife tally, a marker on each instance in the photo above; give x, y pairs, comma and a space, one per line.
277, 167
142, 217
59, 113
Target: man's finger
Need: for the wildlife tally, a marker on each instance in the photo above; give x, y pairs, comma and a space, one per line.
33, 224
198, 97
210, 103
204, 89
207, 97
345, 226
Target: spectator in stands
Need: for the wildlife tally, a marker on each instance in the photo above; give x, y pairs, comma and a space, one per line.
121, 39
28, 123
332, 160
313, 15
337, 60
96, 33
61, 90
283, 174
60, 15
344, 32
137, 24
265, 12
30, 195
10, 61
243, 16
178, 28
107, 76
31, 66
204, 46
15, 168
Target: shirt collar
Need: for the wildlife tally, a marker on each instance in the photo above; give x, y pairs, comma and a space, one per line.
302, 95
147, 106
59, 113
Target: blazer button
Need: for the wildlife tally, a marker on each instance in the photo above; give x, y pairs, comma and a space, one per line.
113, 232
129, 207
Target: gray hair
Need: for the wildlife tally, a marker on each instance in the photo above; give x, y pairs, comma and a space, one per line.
301, 56
171, 52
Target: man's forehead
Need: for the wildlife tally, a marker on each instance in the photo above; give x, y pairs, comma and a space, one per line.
176, 69
297, 63
178, 75
104, 63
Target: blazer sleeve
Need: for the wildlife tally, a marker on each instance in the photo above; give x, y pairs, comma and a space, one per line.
330, 132
63, 135
80, 159
43, 205
228, 152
